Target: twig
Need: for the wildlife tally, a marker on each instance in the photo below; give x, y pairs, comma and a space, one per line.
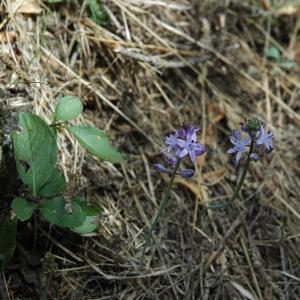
157, 61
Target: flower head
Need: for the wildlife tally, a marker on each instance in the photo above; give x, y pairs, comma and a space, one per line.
183, 142
256, 135
171, 142
189, 145
239, 144
265, 139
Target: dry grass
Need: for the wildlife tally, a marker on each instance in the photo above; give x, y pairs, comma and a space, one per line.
156, 65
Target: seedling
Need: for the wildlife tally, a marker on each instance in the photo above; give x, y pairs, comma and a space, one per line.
35, 152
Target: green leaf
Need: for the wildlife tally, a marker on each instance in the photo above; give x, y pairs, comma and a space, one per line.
8, 232
287, 64
97, 11
89, 225
22, 208
87, 209
54, 211
35, 151
96, 142
81, 201
92, 215
55, 184
68, 108
273, 53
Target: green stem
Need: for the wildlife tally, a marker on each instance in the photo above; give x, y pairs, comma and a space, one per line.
161, 208
239, 185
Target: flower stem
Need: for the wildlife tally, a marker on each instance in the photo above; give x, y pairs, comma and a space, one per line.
163, 204
239, 185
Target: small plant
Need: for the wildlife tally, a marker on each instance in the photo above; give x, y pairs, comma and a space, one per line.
256, 143
251, 140
35, 152
180, 144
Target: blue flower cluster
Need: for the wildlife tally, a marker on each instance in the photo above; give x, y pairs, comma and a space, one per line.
256, 136
181, 143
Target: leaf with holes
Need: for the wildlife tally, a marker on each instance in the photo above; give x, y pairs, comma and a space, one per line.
54, 211
35, 151
22, 208
68, 108
54, 186
8, 232
96, 142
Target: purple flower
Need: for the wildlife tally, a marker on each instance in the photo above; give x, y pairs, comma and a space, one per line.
187, 173
171, 141
160, 168
239, 144
186, 130
171, 161
181, 143
189, 145
265, 138
254, 157
182, 132
191, 133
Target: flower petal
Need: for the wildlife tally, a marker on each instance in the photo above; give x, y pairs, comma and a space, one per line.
192, 155
181, 143
184, 152
231, 150
191, 135
233, 140
269, 147
236, 134
199, 149
238, 157
181, 133
270, 134
246, 142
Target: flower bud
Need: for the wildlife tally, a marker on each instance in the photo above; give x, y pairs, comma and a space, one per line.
187, 173
252, 125
254, 157
159, 168
172, 160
